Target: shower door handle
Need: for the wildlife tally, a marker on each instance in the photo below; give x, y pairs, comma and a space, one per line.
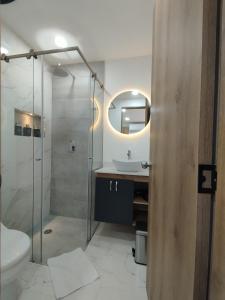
38, 159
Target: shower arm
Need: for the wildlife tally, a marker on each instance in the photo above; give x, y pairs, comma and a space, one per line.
35, 54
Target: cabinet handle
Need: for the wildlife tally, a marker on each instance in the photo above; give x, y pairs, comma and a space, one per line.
110, 186
116, 186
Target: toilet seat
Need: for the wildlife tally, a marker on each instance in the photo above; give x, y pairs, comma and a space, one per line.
15, 245
15, 250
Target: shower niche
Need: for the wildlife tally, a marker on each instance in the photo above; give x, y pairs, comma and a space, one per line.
27, 124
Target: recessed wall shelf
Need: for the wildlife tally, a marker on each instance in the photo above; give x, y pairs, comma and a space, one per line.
27, 124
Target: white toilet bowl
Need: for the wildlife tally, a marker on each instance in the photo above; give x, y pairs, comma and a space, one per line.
15, 253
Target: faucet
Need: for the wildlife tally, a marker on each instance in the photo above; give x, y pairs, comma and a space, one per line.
129, 154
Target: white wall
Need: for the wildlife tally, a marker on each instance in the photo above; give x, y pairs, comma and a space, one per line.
126, 74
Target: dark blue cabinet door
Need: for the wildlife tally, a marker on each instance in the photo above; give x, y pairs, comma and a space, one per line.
114, 201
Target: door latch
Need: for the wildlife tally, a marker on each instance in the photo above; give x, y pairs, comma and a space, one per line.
207, 179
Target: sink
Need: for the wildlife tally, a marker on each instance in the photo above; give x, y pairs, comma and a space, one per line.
128, 165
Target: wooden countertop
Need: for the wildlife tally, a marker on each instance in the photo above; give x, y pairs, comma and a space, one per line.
142, 176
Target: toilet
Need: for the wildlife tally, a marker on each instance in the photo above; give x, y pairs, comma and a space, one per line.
15, 253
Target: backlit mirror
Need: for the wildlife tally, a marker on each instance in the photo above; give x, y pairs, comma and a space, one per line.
129, 112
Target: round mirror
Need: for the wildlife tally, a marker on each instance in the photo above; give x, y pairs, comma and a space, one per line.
129, 112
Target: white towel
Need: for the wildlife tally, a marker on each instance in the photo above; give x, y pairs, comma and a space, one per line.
70, 272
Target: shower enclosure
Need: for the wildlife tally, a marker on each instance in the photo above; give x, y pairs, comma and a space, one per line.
51, 144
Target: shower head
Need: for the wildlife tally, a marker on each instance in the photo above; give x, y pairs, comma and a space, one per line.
59, 71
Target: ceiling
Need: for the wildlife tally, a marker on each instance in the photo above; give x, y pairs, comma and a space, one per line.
104, 29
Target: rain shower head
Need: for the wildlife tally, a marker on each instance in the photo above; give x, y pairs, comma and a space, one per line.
59, 71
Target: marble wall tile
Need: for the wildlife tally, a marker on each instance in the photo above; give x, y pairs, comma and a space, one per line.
72, 120
21, 191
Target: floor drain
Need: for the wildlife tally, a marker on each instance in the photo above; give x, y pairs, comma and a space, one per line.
48, 231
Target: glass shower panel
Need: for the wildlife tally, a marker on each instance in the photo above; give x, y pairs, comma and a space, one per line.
97, 144
17, 144
67, 120
51, 145
90, 155
39, 146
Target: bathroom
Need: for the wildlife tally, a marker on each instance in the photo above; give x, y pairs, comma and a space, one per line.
94, 137
56, 134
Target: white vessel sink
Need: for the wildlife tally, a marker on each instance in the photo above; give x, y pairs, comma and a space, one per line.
128, 165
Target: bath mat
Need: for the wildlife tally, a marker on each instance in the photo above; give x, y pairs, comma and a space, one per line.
70, 272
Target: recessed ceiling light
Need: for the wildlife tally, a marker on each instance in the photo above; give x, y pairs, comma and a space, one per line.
60, 41
4, 51
135, 93
124, 110
127, 119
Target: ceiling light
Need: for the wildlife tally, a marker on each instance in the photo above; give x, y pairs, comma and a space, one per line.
60, 41
124, 110
127, 119
135, 93
4, 51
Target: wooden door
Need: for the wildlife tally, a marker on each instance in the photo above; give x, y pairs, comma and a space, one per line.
182, 110
217, 279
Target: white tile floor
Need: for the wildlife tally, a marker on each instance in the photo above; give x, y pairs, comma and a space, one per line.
111, 253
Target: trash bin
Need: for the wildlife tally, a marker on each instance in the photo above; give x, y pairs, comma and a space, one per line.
141, 247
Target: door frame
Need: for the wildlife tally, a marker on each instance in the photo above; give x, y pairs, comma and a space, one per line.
217, 274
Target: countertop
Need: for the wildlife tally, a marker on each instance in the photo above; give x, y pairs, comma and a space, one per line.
111, 170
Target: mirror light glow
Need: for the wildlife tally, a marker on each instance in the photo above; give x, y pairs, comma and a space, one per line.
135, 93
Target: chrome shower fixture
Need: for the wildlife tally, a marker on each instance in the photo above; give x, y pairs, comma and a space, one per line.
61, 71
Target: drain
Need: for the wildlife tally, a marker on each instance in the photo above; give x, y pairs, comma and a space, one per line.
48, 231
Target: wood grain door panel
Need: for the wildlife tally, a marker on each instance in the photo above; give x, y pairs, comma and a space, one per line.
182, 99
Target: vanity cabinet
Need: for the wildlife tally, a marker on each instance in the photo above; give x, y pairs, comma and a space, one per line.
114, 200
122, 198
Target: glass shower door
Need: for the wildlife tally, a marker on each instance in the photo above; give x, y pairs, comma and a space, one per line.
40, 136
17, 144
51, 145
96, 145
67, 120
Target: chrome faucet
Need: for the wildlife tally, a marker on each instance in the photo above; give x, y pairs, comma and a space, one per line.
129, 154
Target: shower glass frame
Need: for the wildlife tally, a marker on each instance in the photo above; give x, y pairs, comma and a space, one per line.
37, 212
